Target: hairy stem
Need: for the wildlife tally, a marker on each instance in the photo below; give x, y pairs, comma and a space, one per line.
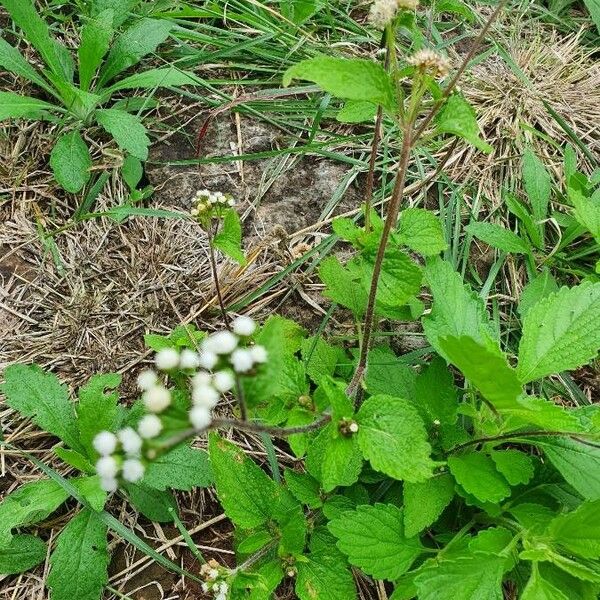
239, 392
215, 276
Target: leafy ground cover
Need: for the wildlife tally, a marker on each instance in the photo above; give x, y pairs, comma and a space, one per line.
299, 300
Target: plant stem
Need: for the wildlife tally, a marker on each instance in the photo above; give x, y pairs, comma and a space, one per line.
215, 275
239, 392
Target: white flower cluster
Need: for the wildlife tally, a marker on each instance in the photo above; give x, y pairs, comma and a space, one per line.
382, 12
205, 201
126, 463
210, 572
430, 62
212, 371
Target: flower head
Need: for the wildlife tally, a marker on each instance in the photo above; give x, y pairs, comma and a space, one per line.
208, 359
205, 395
243, 326
105, 443
130, 441
147, 379
200, 417
189, 359
430, 62
223, 381
109, 484
167, 359
133, 470
382, 12
107, 467
259, 354
241, 360
222, 342
149, 427
156, 399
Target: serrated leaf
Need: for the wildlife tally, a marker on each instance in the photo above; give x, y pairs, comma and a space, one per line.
579, 531
15, 106
304, 487
183, 468
456, 311
498, 237
79, 563
478, 476
538, 588
392, 437
335, 460
320, 358
457, 117
246, 492
127, 130
424, 502
542, 413
96, 35
44, 399
97, 410
71, 162
587, 212
23, 553
373, 538
421, 231
343, 284
388, 374
351, 79
357, 111
560, 333
120, 8
229, 238
139, 40
516, 466
538, 184
435, 394
536, 290
154, 504
477, 577
487, 370
342, 406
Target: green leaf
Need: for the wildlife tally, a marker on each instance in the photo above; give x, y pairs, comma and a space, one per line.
245, 491
29, 504
79, 563
229, 238
579, 531
320, 358
304, 487
335, 460
155, 78
587, 570
351, 79
516, 466
392, 437
139, 40
97, 410
71, 162
587, 211
23, 553
15, 106
37, 33
560, 333
538, 588
357, 111
478, 476
543, 413
126, 129
538, 184
95, 42
373, 538
13, 61
536, 290
424, 502
291, 525
343, 284
183, 468
578, 463
421, 231
132, 172
499, 237
436, 395
457, 117
120, 8
488, 371
42, 397
299, 11
522, 213
456, 311
388, 374
154, 504
594, 7
342, 406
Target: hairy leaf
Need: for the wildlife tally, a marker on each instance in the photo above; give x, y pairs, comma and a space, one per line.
424, 502
71, 161
388, 374
478, 476
538, 588
183, 468
13, 61
579, 531
421, 231
96, 35
537, 184
126, 129
155, 78
499, 237
23, 553
15, 106
435, 394
516, 466
229, 238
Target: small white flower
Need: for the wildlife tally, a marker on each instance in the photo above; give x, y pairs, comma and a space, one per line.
189, 359
205, 395
231, 202
243, 326
213, 574
353, 427
166, 359
107, 467
205, 587
105, 443
156, 399
222, 342
200, 417
133, 470
149, 426
201, 378
130, 440
147, 379
241, 360
223, 381
109, 484
207, 360
259, 354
